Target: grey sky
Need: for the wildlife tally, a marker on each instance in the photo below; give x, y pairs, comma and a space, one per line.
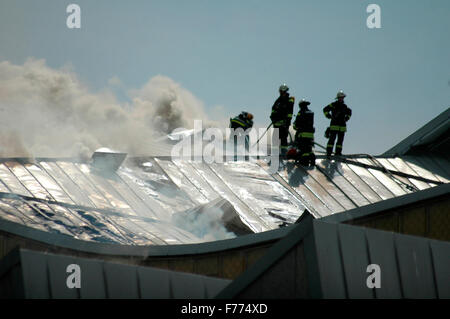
236, 53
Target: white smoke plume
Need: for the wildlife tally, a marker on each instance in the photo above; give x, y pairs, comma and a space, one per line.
207, 225
46, 112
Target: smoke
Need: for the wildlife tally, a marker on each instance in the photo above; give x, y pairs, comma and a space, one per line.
206, 225
46, 112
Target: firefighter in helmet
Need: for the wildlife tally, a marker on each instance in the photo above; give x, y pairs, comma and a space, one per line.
339, 113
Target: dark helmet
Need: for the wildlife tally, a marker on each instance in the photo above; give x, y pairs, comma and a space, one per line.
303, 102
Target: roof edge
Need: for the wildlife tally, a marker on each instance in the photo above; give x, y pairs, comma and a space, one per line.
405, 145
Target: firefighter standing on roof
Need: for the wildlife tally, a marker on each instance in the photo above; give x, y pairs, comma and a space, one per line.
339, 113
304, 136
281, 116
244, 121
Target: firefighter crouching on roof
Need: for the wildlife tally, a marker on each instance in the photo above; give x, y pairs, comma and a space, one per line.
244, 121
304, 136
339, 113
281, 117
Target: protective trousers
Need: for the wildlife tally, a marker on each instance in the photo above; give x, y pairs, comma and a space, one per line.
283, 133
340, 141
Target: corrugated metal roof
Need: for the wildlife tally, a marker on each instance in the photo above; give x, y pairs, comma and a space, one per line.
135, 204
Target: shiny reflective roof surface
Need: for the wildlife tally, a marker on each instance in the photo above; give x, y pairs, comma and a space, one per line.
135, 204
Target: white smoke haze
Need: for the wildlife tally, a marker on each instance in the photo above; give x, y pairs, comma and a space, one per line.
206, 225
46, 112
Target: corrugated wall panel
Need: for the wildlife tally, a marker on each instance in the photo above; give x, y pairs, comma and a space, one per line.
382, 253
355, 259
416, 269
441, 264
331, 270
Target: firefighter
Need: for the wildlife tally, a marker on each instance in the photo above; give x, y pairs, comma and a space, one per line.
281, 116
304, 136
339, 113
244, 121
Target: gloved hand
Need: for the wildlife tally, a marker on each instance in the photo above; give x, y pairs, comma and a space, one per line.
327, 133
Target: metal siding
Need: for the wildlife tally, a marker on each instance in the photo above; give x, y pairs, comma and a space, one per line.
186, 286
214, 286
57, 266
11, 284
355, 260
279, 280
93, 285
382, 252
154, 283
441, 261
35, 278
121, 281
300, 272
329, 259
416, 271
